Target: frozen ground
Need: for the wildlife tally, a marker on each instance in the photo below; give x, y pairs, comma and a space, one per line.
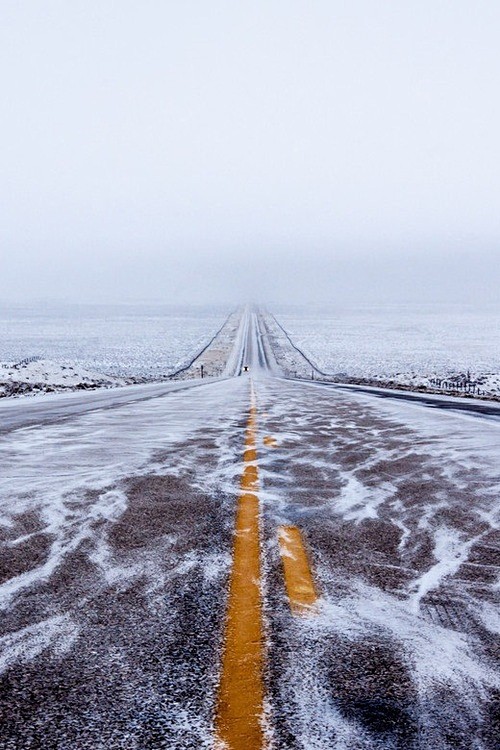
408, 345
123, 341
41, 376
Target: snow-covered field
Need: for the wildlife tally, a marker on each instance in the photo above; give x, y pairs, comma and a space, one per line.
120, 340
408, 344
42, 375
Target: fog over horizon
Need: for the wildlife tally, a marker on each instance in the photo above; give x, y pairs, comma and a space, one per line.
282, 152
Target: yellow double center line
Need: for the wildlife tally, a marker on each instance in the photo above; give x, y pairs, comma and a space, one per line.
239, 714
238, 721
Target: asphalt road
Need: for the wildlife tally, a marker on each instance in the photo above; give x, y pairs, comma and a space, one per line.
48, 409
120, 578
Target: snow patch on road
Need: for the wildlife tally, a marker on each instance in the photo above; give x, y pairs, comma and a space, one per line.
57, 633
435, 655
451, 550
357, 502
69, 521
71, 471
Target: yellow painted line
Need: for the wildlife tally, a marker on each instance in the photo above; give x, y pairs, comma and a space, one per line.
238, 719
298, 577
250, 454
270, 441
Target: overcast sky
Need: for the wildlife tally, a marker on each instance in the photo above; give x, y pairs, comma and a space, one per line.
274, 149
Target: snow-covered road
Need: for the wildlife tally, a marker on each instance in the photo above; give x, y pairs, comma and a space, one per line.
117, 527
47, 409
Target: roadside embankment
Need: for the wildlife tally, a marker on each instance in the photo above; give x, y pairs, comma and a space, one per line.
296, 363
217, 358
34, 376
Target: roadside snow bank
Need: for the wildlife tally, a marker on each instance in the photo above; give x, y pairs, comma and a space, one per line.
44, 375
473, 383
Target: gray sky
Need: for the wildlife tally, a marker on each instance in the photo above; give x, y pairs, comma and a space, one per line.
270, 149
